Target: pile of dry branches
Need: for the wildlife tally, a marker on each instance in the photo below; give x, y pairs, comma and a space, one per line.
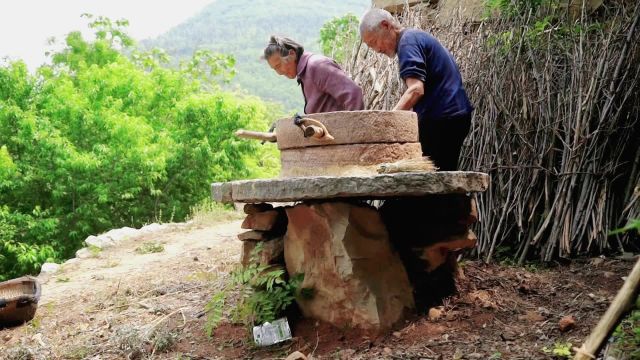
556, 124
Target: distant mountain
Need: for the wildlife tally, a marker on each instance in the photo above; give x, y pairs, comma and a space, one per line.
243, 27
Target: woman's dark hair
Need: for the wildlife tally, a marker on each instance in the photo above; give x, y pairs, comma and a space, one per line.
281, 45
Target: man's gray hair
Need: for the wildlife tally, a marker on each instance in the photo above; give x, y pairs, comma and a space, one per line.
371, 20
281, 45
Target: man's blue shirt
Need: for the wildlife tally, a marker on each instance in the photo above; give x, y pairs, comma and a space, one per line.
421, 56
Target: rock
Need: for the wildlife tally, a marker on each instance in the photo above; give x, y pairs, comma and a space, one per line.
567, 323
372, 187
263, 221
352, 127
222, 193
436, 255
100, 242
71, 261
345, 254
473, 213
608, 274
344, 160
435, 313
150, 228
296, 355
253, 235
245, 253
256, 208
49, 268
118, 235
272, 251
84, 253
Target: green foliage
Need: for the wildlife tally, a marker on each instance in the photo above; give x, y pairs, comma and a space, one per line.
561, 350
633, 224
243, 27
512, 8
149, 248
264, 294
627, 335
99, 140
338, 36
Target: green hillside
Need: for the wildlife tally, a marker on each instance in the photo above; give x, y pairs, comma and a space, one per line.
243, 27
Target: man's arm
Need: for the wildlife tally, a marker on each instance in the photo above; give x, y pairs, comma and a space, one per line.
415, 90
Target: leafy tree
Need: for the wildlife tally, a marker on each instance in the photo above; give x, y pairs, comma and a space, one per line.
107, 136
339, 36
243, 27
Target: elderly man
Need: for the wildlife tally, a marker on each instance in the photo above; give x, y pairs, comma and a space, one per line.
325, 86
434, 85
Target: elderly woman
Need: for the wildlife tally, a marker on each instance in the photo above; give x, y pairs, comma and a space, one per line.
325, 86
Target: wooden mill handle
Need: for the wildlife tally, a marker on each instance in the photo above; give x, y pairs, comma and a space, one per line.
256, 135
317, 130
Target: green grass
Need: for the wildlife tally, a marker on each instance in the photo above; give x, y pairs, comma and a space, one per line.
150, 248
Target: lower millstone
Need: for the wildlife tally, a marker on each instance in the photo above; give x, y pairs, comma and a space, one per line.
347, 159
349, 267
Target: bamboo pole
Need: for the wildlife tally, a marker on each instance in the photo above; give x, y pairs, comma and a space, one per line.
619, 306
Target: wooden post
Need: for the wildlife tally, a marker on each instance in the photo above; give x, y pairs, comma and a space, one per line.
618, 307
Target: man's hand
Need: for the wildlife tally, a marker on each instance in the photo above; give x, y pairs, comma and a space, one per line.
415, 90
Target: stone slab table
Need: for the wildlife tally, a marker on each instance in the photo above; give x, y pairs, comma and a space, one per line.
335, 187
358, 277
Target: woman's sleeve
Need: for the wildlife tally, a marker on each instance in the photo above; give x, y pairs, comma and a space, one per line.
331, 79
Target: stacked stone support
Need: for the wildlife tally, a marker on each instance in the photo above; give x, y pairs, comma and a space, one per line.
266, 226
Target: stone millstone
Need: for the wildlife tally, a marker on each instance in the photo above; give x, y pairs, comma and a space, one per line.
353, 127
343, 250
370, 187
341, 160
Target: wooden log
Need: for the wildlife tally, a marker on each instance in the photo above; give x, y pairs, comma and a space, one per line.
621, 304
256, 135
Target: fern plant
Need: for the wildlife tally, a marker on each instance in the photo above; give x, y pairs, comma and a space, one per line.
264, 294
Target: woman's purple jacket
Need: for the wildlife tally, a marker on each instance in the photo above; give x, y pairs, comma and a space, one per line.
325, 86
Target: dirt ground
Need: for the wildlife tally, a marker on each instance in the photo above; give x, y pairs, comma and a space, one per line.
121, 304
